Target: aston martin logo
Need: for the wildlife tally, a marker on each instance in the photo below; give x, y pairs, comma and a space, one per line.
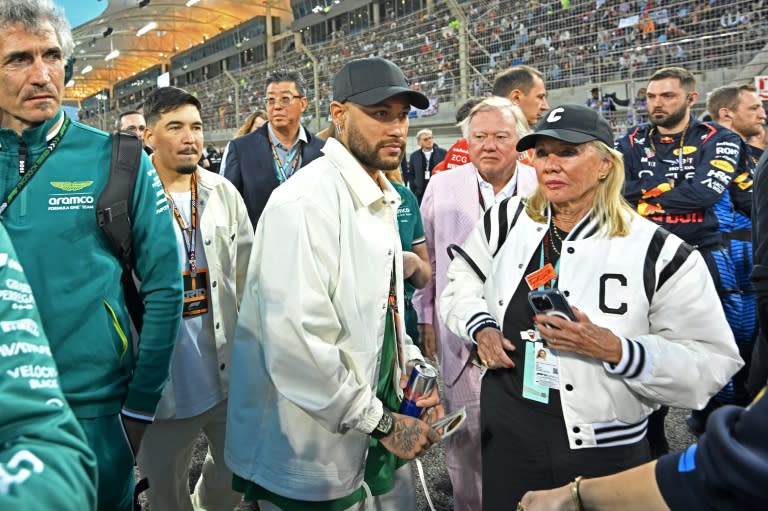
71, 186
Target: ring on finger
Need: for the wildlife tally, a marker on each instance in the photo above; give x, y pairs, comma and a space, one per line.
520, 506
485, 362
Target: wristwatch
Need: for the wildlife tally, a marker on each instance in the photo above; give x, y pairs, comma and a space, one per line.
385, 425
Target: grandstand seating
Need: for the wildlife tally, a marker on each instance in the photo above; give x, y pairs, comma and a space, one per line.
573, 42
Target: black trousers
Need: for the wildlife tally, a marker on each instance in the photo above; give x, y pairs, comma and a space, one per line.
526, 449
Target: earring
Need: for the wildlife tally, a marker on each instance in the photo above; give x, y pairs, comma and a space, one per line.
602, 178
338, 130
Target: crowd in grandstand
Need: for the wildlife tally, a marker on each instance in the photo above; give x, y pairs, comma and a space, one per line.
326, 307
572, 43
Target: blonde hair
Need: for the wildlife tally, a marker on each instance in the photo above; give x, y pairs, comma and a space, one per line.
611, 212
503, 105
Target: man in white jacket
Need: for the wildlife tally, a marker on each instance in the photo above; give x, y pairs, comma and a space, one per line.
320, 349
214, 237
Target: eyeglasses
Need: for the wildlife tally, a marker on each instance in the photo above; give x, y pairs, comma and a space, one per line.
283, 100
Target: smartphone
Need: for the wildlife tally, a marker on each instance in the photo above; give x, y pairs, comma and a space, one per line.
551, 301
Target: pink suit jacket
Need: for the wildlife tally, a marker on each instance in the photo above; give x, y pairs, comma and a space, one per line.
450, 210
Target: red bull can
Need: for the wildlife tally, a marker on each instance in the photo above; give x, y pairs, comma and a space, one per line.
422, 380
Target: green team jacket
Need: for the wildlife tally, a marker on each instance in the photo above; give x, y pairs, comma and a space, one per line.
76, 278
45, 462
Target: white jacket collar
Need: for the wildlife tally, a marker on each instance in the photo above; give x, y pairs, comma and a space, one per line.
358, 180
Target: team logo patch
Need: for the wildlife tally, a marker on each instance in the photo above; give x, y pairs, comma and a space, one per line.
722, 165
688, 149
74, 196
744, 181
71, 186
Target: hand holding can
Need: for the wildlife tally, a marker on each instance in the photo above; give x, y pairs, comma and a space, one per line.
423, 379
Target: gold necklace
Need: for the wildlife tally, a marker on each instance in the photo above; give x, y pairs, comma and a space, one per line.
680, 154
553, 234
556, 232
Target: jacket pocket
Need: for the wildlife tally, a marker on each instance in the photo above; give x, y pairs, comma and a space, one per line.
122, 348
226, 249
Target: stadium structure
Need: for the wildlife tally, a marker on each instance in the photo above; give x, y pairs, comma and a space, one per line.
221, 50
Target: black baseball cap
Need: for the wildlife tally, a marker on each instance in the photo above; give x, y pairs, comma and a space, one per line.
576, 124
370, 81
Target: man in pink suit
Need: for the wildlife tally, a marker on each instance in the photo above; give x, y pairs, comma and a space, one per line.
453, 203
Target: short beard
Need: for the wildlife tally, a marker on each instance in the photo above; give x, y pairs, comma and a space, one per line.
671, 120
748, 131
367, 154
186, 169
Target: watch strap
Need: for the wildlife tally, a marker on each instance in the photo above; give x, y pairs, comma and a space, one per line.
385, 425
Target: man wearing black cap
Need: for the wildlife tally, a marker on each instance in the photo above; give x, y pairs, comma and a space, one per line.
319, 352
594, 99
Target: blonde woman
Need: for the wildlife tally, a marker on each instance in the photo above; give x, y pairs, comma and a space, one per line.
650, 329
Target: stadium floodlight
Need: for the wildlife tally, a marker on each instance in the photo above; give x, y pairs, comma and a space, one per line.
87, 69
112, 55
146, 28
190, 3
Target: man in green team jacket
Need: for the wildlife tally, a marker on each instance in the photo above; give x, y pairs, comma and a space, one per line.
53, 171
45, 462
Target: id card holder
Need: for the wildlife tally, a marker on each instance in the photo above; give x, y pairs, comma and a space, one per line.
531, 389
541, 277
195, 293
547, 369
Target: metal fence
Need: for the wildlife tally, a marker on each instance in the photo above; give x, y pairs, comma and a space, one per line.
455, 48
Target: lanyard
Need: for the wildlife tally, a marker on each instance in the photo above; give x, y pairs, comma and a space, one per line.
480, 198
680, 154
396, 317
190, 230
27, 175
286, 170
544, 258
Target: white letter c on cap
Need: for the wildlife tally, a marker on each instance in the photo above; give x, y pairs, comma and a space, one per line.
554, 115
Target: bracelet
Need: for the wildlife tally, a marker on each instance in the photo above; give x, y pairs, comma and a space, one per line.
575, 495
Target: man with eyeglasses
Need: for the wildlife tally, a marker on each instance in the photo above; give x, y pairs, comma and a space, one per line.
262, 160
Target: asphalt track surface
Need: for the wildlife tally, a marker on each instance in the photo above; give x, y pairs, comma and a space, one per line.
438, 483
